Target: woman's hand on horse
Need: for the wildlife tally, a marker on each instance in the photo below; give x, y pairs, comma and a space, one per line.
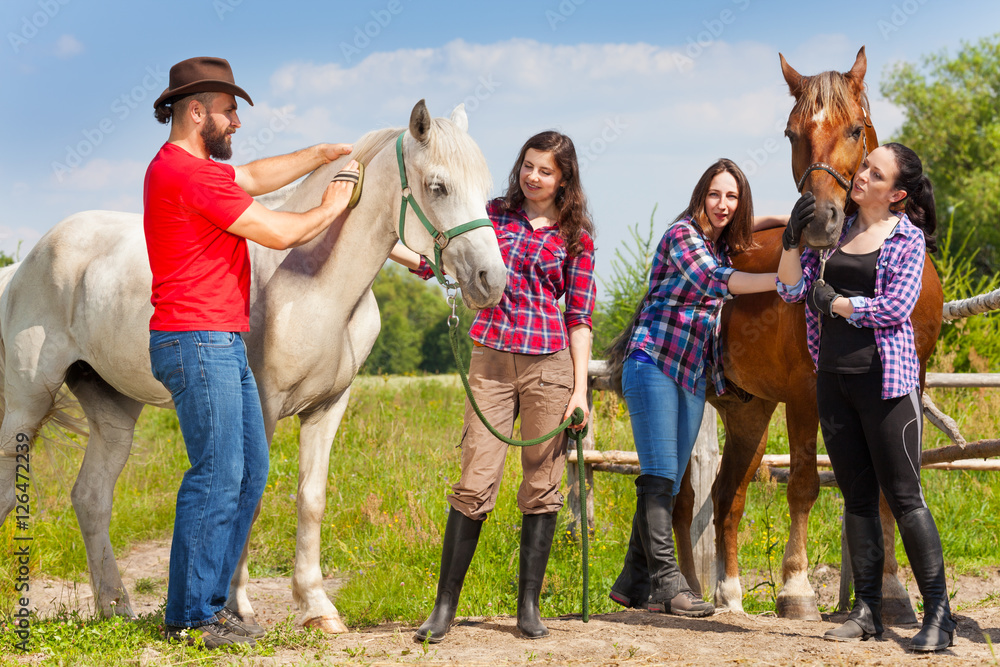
802, 215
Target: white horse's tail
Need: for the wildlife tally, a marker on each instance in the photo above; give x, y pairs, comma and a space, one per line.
67, 415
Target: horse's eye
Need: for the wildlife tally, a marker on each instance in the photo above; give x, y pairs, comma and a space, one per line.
438, 189
790, 135
856, 133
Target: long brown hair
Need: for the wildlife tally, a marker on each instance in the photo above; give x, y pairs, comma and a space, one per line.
574, 217
737, 236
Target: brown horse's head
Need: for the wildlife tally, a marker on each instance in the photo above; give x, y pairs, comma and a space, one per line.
830, 130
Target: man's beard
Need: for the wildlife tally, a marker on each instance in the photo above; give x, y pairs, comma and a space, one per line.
216, 140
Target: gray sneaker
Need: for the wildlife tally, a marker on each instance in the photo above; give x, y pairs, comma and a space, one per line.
212, 635
239, 626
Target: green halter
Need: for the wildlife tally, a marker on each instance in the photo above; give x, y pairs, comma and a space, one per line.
441, 239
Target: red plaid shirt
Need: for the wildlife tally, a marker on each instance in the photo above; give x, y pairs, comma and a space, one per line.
528, 319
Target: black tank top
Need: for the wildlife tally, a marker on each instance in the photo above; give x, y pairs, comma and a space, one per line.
845, 348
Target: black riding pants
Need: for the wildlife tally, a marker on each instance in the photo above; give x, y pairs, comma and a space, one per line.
872, 443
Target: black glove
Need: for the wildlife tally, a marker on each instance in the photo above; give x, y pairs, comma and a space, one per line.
802, 215
821, 297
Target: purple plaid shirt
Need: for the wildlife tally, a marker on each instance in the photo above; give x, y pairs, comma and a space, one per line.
898, 277
528, 319
679, 325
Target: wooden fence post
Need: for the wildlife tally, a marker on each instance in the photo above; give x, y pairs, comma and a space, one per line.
704, 465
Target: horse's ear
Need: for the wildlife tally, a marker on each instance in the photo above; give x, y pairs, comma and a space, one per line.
460, 118
792, 78
420, 121
860, 67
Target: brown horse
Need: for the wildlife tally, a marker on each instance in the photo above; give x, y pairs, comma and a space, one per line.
766, 356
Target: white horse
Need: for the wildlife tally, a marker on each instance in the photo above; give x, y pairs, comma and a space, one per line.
77, 310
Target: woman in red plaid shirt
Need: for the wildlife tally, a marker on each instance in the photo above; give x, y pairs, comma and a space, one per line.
868, 379
529, 360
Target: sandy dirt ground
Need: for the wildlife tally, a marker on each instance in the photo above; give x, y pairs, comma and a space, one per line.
623, 638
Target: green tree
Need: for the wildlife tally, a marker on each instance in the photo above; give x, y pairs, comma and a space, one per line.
952, 121
6, 259
414, 334
629, 282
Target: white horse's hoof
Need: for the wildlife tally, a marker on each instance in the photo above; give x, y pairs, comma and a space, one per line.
331, 625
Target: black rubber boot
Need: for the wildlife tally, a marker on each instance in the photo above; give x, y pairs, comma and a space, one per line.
537, 531
670, 592
923, 548
632, 588
864, 541
461, 535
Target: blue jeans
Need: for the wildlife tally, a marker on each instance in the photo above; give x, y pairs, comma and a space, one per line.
218, 408
665, 419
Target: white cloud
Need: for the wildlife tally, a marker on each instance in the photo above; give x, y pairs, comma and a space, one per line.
646, 119
16, 241
100, 174
68, 46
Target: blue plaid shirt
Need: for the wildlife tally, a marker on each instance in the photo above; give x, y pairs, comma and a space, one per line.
679, 325
898, 276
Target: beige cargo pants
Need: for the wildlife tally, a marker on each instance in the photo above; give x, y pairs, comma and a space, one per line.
505, 385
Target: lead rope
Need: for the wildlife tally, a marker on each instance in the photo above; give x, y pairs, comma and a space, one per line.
576, 418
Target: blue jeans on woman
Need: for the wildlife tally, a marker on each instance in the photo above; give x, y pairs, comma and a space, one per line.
665, 419
219, 411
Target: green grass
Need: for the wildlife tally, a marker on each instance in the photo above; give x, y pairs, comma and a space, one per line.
392, 466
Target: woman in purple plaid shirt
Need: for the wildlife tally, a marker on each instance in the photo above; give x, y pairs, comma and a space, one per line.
867, 384
529, 360
669, 351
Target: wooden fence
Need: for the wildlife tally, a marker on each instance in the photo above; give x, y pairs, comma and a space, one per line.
706, 458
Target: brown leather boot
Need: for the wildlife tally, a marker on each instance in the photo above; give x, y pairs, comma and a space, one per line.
670, 591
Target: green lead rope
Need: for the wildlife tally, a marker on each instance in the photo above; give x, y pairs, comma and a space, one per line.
578, 435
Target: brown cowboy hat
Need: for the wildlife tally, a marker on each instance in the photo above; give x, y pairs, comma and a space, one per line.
201, 75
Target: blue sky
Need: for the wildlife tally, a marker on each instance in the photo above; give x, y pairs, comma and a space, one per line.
651, 92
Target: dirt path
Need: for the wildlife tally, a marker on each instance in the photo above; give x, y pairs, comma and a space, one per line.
623, 638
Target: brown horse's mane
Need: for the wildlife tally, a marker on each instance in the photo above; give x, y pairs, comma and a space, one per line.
831, 91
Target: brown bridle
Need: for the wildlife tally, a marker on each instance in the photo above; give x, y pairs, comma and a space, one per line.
869, 137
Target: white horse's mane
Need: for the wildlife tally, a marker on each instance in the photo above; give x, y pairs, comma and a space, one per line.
446, 144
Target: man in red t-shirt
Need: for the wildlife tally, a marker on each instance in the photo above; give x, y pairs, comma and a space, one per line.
198, 214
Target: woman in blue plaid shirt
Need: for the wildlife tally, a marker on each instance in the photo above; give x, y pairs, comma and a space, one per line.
668, 352
867, 385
